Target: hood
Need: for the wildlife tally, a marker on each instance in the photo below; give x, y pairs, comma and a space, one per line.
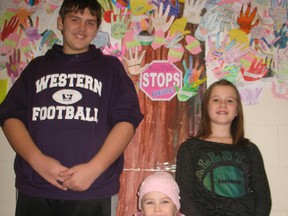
57, 54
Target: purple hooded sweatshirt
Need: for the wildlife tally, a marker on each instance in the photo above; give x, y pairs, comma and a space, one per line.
69, 104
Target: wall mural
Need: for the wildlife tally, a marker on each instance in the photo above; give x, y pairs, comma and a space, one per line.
170, 49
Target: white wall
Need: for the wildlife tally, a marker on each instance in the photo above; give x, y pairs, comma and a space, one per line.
7, 189
267, 126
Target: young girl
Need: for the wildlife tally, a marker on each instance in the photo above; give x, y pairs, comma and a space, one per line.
219, 171
159, 195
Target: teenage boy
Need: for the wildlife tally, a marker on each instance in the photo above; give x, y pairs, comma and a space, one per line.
69, 118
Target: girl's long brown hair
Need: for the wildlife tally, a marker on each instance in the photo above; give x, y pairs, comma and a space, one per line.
237, 125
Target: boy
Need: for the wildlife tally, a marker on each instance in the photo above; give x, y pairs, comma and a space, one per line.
69, 118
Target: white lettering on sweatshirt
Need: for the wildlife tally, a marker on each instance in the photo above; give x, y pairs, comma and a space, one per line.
65, 112
69, 80
66, 96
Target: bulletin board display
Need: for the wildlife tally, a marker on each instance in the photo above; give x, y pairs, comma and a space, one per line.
171, 49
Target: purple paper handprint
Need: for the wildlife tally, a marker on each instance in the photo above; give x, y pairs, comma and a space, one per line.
14, 65
250, 93
173, 8
30, 30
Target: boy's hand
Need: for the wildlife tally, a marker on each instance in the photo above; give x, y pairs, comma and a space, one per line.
78, 178
49, 169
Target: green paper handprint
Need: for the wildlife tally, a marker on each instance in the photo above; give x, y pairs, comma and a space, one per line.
119, 28
191, 80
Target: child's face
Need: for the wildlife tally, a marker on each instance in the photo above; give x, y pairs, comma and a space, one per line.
223, 105
78, 31
158, 204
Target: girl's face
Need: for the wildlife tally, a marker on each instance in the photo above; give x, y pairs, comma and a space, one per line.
158, 204
78, 29
222, 106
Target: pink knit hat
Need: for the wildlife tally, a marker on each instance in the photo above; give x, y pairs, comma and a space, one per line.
162, 182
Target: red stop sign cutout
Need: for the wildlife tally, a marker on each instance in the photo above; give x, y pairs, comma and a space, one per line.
158, 80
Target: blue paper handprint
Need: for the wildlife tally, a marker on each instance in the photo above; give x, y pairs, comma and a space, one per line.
281, 37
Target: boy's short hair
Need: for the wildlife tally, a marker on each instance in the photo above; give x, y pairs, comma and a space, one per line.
80, 5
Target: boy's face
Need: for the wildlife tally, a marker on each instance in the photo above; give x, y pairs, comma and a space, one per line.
78, 31
156, 203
